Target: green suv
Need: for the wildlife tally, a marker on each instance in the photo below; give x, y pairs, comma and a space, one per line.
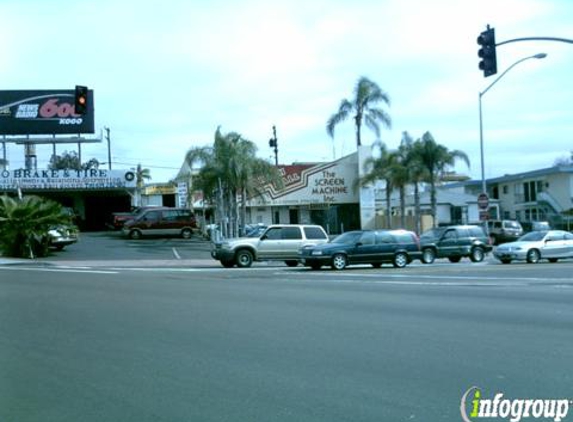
454, 243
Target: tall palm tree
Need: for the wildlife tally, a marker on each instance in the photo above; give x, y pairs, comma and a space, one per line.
436, 159
141, 175
417, 173
378, 169
362, 108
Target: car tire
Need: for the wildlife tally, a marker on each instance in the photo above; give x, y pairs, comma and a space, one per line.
428, 256
135, 234
339, 262
244, 258
400, 260
477, 254
455, 259
533, 256
291, 263
315, 266
228, 264
552, 260
186, 233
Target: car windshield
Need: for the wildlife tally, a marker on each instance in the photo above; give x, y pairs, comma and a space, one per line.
512, 225
433, 233
533, 236
348, 237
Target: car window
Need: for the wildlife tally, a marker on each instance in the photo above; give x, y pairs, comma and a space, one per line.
450, 235
170, 215
348, 237
568, 236
554, 236
384, 237
432, 233
511, 225
367, 238
274, 233
533, 236
461, 233
404, 238
151, 216
291, 233
314, 233
476, 232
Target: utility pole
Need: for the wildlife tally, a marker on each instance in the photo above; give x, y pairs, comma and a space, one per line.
273, 142
108, 148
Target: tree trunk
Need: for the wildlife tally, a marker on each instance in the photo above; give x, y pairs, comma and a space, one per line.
417, 210
433, 202
388, 207
403, 207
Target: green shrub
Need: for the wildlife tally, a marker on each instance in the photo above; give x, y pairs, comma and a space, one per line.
24, 225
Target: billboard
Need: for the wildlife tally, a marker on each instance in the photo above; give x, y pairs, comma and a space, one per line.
43, 112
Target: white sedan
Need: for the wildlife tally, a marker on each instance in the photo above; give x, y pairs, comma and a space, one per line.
547, 244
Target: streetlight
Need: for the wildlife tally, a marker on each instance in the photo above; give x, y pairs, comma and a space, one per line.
481, 94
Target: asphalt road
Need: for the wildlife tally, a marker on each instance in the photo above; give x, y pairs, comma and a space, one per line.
277, 344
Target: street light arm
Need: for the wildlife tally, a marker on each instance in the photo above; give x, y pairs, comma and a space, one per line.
535, 56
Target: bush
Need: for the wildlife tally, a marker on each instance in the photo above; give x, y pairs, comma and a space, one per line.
24, 225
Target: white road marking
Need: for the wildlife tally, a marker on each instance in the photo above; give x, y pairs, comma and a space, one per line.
175, 253
59, 270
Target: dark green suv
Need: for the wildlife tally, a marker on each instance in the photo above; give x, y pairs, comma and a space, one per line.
455, 243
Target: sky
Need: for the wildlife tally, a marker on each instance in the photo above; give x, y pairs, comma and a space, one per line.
166, 74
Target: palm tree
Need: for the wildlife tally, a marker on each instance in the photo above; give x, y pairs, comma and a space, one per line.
378, 169
24, 225
410, 150
366, 95
141, 175
229, 170
436, 159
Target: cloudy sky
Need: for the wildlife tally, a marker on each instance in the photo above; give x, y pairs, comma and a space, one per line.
166, 73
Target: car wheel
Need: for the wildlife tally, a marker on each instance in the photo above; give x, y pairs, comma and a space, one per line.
533, 256
244, 258
428, 256
376, 264
291, 263
135, 234
505, 261
400, 260
228, 264
186, 233
315, 266
552, 260
455, 258
339, 262
477, 254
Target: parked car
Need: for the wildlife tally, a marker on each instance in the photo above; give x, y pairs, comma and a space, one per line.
534, 246
455, 243
502, 231
532, 226
62, 235
373, 247
280, 242
118, 219
161, 222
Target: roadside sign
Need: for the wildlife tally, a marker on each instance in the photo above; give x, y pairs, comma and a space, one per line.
483, 201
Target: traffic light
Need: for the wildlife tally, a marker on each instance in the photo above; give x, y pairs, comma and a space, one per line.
81, 100
488, 62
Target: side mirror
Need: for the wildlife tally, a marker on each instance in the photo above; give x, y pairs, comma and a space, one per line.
359, 244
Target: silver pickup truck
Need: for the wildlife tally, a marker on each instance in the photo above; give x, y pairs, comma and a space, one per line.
280, 242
